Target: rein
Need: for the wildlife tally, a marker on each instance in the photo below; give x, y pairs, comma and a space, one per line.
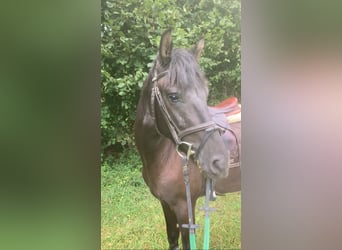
209, 195
209, 127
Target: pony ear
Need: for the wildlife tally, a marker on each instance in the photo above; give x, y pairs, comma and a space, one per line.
198, 48
165, 47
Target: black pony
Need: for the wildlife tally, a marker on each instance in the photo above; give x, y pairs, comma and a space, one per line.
172, 114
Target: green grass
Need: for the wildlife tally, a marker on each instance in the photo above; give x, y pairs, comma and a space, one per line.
131, 218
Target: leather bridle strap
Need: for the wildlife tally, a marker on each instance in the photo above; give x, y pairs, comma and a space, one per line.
197, 128
170, 123
153, 96
203, 142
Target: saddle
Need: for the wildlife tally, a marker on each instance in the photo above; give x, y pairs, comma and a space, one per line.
230, 108
227, 115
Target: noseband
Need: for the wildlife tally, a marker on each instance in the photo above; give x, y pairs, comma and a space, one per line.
177, 135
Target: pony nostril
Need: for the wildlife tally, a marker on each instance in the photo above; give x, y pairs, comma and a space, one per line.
220, 166
217, 163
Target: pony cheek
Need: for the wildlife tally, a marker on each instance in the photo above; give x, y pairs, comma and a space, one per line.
181, 122
161, 124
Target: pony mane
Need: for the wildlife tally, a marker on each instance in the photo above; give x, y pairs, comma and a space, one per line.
184, 72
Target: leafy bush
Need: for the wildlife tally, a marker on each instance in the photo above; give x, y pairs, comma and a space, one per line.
130, 34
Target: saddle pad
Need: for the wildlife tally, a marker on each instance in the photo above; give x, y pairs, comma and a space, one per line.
234, 118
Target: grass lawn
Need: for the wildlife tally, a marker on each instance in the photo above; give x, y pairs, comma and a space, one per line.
131, 218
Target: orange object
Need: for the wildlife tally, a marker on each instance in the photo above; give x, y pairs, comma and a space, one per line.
230, 102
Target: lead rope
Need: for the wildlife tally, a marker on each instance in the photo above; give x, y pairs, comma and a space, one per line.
209, 195
191, 226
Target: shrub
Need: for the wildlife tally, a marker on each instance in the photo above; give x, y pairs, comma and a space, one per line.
130, 34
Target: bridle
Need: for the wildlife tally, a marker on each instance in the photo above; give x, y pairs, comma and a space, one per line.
209, 127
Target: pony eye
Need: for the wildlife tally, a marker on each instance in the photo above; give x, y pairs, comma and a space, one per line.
173, 97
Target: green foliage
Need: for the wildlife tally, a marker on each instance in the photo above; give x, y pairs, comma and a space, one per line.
130, 34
